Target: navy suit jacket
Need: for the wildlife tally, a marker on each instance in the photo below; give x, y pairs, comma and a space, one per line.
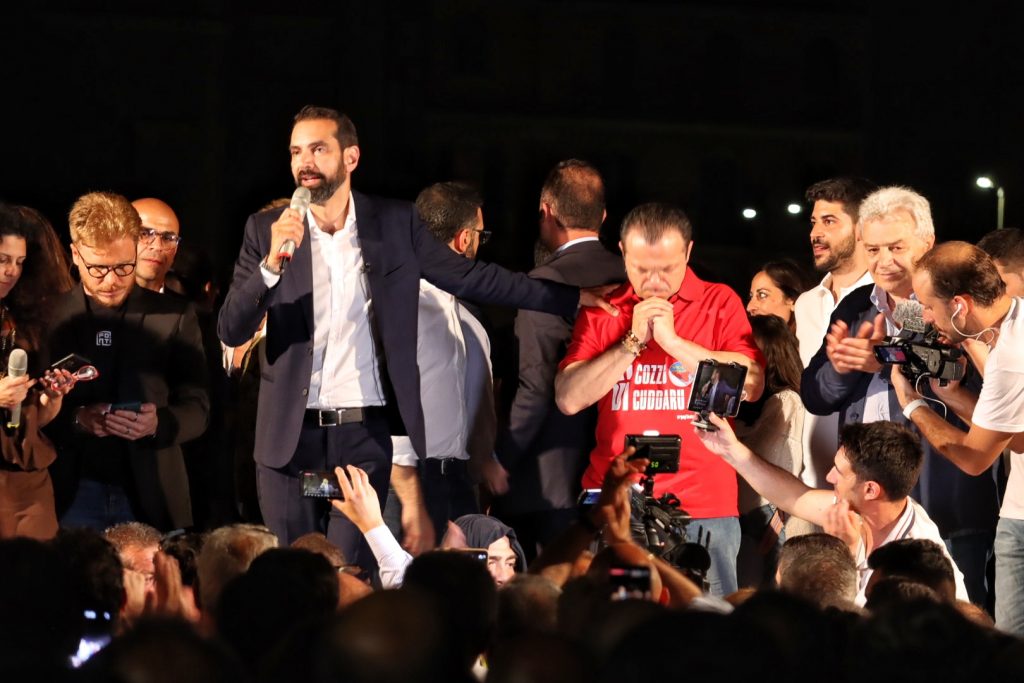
397, 251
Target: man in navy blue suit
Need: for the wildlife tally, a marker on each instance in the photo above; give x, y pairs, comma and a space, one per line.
339, 372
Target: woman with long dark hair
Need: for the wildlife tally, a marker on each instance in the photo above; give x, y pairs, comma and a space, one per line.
775, 288
33, 269
772, 427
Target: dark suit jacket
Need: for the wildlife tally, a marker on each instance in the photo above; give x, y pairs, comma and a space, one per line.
544, 450
397, 251
159, 360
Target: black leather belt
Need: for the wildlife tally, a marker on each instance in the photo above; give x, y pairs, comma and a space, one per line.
332, 417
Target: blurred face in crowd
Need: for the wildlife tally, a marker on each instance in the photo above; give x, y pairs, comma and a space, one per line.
501, 561
158, 242
767, 299
107, 272
12, 260
833, 238
140, 559
1014, 279
318, 162
892, 249
658, 269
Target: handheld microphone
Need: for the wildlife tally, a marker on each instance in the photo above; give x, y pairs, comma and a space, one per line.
300, 202
17, 366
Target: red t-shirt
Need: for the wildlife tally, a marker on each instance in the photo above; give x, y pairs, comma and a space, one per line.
655, 390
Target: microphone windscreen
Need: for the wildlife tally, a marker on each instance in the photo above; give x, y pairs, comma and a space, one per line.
17, 364
301, 199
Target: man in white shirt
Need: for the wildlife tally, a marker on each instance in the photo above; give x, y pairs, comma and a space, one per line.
873, 471
965, 299
840, 256
453, 354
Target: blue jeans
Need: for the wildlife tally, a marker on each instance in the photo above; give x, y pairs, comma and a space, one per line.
1009, 548
97, 506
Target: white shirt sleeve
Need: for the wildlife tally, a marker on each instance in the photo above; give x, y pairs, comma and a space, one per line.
392, 560
403, 453
1000, 406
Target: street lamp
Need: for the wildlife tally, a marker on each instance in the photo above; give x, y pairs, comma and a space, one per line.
749, 214
987, 183
794, 208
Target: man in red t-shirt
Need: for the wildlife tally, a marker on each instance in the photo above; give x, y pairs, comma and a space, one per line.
639, 367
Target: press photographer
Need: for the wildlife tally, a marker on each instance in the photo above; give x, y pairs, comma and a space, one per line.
964, 298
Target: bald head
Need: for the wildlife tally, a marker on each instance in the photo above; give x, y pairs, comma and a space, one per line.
156, 251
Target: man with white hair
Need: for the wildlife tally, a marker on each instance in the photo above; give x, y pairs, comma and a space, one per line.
896, 228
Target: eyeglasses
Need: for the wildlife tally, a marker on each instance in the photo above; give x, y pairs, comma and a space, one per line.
168, 239
120, 269
484, 235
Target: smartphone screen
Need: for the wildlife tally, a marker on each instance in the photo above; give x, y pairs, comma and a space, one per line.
630, 582
320, 484
718, 388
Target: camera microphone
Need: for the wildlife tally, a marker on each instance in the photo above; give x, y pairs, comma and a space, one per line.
300, 202
17, 366
908, 315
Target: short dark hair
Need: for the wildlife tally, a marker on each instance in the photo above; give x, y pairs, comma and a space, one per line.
781, 352
654, 219
787, 276
448, 207
819, 568
883, 452
846, 190
575, 191
919, 560
345, 131
1006, 245
97, 568
962, 268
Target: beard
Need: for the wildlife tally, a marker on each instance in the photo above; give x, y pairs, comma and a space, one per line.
838, 253
319, 194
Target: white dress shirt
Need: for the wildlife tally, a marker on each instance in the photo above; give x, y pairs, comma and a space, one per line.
346, 373
441, 356
812, 310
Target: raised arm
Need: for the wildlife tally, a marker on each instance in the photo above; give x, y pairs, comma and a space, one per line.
780, 487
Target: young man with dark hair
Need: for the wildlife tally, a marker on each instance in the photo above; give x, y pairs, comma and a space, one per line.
964, 297
640, 369
875, 467
839, 256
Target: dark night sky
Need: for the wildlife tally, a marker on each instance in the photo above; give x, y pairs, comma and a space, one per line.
713, 105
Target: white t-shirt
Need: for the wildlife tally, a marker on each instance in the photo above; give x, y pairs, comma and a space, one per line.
1000, 405
913, 523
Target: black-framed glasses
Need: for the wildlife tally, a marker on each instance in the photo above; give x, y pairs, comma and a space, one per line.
484, 235
167, 239
120, 269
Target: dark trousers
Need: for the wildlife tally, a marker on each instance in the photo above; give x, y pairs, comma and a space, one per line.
448, 493
288, 514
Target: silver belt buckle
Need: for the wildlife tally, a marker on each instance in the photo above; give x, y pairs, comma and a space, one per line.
334, 412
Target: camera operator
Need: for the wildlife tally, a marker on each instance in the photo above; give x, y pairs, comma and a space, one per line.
896, 229
964, 298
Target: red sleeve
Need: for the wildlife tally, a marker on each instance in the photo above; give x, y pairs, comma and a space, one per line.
593, 333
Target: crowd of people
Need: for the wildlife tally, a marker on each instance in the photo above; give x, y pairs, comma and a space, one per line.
313, 476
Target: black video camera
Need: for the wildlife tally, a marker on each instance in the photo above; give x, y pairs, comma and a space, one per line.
921, 354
